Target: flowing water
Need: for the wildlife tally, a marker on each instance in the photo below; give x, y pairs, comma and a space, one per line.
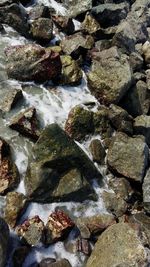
52, 105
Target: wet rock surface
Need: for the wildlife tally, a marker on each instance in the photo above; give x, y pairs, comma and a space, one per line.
4, 241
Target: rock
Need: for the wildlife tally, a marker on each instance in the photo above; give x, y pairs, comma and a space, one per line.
115, 13
4, 242
102, 123
79, 122
148, 78
136, 100
90, 25
12, 14
121, 187
124, 38
42, 30
139, 76
39, 11
10, 100
31, 231
120, 119
123, 249
71, 72
76, 7
19, 255
142, 127
26, 123
111, 76
114, 203
15, 204
94, 225
47, 262
146, 191
59, 263
9, 175
97, 151
64, 23
128, 156
32, 62
136, 61
58, 226
83, 245
76, 44
146, 52
54, 155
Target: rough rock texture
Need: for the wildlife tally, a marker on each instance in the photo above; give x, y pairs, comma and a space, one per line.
59, 263
19, 255
146, 51
79, 122
39, 11
76, 7
102, 123
64, 23
15, 203
4, 241
128, 156
110, 77
9, 176
42, 30
123, 249
54, 155
90, 25
142, 126
97, 151
10, 100
146, 191
58, 226
121, 187
32, 62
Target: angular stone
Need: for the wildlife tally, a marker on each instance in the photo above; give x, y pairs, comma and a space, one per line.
97, 151
39, 11
128, 156
136, 61
64, 23
123, 249
146, 51
59, 263
47, 262
42, 30
83, 245
102, 123
76, 7
32, 62
10, 100
15, 203
121, 187
31, 231
142, 127
90, 25
4, 242
146, 191
58, 226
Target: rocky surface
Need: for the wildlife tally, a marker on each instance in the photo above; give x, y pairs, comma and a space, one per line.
146, 190
4, 242
97, 151
10, 99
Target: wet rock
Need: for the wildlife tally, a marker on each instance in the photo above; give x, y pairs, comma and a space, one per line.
136, 61
83, 245
120, 119
12, 14
42, 30
110, 77
114, 203
71, 72
15, 203
9, 176
4, 241
115, 13
146, 191
90, 25
31, 231
58, 226
102, 123
76, 7
59, 263
26, 123
121, 187
136, 100
19, 255
10, 100
79, 122
47, 262
139, 76
54, 155
97, 151
128, 156
94, 225
64, 23
32, 62
39, 11
77, 44
142, 127
123, 249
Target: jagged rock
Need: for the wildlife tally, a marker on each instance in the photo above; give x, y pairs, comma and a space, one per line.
59, 263
53, 156
39, 11
26, 123
121, 187
102, 123
76, 7
83, 245
47, 262
139, 76
115, 13
10, 99
148, 78
71, 72
128, 156
15, 203
58, 226
94, 225
111, 76
120, 119
146, 52
19, 255
64, 23
123, 249
76, 44
9, 176
146, 191
42, 30
136, 100
90, 25
79, 122
136, 61
4, 242
31, 231
32, 62
97, 151
142, 127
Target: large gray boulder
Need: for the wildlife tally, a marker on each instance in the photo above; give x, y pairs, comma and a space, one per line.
58, 169
4, 239
128, 156
119, 245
